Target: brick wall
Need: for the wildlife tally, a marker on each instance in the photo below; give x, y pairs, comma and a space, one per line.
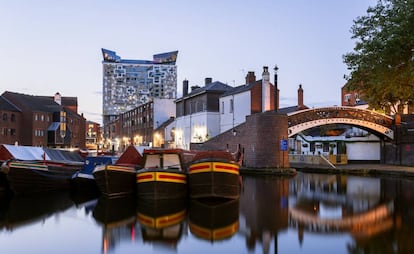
259, 137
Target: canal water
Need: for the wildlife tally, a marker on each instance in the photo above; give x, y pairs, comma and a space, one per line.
307, 213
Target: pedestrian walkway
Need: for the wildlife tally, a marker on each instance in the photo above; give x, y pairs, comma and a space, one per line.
360, 169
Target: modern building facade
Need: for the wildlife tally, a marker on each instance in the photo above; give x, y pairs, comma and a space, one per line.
129, 83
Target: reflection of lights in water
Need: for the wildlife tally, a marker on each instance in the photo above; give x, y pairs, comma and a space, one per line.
105, 246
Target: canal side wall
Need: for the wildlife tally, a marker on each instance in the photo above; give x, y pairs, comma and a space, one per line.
259, 138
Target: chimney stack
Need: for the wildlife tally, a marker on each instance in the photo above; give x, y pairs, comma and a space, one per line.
265, 89
250, 78
185, 87
300, 97
208, 81
58, 98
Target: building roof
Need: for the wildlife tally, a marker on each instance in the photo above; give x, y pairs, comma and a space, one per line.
242, 88
7, 106
163, 58
165, 124
30, 153
39, 103
213, 87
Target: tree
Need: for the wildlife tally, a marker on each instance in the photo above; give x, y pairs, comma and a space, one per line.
382, 63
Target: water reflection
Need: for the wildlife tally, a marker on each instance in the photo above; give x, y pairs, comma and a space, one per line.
214, 220
117, 217
21, 211
162, 221
308, 213
264, 208
329, 203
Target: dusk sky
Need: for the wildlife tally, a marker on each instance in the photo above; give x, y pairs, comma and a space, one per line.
50, 46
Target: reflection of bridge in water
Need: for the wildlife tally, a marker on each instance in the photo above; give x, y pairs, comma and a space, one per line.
363, 222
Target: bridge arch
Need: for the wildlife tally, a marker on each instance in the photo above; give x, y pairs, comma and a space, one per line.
305, 119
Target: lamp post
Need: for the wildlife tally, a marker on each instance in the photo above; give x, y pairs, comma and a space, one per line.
276, 92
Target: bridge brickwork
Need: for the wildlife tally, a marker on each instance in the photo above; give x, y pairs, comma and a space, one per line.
259, 137
375, 122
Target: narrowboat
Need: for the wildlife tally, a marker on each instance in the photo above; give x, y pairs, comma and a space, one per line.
214, 174
84, 181
163, 176
53, 172
119, 179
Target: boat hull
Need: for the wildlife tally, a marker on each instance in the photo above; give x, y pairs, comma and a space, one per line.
214, 179
153, 184
27, 178
82, 183
114, 180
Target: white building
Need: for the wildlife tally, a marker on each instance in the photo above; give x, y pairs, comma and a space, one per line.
254, 97
197, 113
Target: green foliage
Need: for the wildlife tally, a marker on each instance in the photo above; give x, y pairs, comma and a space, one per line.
382, 63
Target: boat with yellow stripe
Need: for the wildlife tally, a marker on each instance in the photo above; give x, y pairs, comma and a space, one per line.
119, 179
214, 174
163, 175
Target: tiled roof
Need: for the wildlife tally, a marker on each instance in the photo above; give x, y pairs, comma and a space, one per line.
39, 103
6, 105
242, 88
213, 87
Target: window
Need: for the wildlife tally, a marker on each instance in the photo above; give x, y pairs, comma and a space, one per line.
36, 117
4, 117
13, 117
325, 147
347, 97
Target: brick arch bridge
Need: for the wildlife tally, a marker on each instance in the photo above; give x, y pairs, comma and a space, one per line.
305, 119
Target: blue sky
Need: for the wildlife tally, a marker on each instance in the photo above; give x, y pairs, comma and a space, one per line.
50, 46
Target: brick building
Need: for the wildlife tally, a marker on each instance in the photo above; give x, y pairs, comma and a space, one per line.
10, 120
42, 120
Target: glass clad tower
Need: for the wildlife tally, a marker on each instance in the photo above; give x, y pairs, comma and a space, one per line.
129, 83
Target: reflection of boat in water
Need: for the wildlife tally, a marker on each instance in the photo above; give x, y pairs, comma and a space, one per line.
117, 217
212, 220
25, 210
162, 220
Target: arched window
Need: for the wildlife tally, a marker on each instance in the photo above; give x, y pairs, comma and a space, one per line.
4, 117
